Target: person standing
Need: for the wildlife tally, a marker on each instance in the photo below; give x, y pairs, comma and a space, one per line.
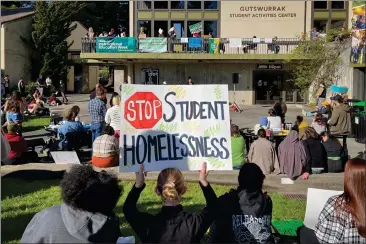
62, 91
21, 87
278, 109
284, 109
238, 148
6, 84
114, 115
97, 109
340, 121
48, 86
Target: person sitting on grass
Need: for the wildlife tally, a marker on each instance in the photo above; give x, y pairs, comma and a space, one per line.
53, 100
334, 152
343, 218
292, 155
114, 115
315, 153
243, 215
238, 147
18, 148
86, 214
263, 154
106, 149
69, 125
172, 224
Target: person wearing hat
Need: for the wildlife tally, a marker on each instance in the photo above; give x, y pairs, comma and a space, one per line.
341, 118
324, 109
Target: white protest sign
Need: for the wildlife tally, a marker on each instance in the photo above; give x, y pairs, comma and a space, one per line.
65, 157
179, 126
315, 202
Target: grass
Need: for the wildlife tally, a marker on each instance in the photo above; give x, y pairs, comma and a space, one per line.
22, 199
32, 123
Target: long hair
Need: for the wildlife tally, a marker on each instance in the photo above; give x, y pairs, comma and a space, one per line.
353, 200
170, 184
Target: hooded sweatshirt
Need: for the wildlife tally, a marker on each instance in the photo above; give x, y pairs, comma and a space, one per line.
241, 217
341, 120
63, 224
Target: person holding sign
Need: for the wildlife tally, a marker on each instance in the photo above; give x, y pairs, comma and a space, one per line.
172, 224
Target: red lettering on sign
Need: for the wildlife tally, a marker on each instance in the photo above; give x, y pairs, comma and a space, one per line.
143, 110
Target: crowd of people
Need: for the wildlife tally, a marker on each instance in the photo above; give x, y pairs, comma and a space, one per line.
242, 215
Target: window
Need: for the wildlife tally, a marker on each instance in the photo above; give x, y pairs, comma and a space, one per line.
189, 23
144, 28
160, 4
179, 28
337, 24
177, 4
210, 27
337, 4
320, 25
143, 5
210, 5
160, 25
320, 4
194, 5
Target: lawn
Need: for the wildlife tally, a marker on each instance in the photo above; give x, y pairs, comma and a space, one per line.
22, 199
32, 123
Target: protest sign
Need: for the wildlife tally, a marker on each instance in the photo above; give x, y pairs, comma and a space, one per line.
153, 45
116, 45
195, 28
214, 45
175, 126
65, 157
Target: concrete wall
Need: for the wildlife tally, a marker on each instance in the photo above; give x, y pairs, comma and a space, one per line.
75, 37
14, 53
205, 74
263, 18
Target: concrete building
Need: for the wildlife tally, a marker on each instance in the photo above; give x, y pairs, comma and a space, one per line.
16, 26
255, 73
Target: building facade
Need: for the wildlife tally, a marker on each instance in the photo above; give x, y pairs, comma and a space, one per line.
254, 38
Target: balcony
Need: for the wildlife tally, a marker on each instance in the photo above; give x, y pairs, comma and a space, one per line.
188, 48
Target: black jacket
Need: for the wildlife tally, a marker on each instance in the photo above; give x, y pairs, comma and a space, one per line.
241, 217
333, 147
172, 224
316, 154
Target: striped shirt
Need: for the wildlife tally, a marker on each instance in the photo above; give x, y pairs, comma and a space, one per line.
105, 146
113, 117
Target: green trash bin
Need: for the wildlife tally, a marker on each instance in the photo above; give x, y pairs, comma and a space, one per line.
356, 118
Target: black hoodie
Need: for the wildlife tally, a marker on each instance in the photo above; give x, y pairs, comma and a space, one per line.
241, 217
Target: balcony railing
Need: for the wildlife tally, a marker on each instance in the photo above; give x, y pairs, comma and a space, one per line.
190, 45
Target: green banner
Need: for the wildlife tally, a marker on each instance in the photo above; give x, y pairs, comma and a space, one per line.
153, 45
116, 45
214, 45
196, 28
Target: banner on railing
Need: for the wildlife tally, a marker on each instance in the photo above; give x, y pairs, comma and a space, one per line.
214, 44
116, 45
153, 45
196, 28
235, 42
195, 42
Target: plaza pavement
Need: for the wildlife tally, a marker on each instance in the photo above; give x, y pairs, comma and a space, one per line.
248, 118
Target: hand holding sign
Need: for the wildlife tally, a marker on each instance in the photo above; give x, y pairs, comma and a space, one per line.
140, 177
202, 174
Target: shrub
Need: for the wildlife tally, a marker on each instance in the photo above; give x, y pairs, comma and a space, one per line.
29, 87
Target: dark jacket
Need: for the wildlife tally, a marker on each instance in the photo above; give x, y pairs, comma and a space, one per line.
316, 154
333, 147
63, 224
341, 120
278, 108
172, 224
241, 217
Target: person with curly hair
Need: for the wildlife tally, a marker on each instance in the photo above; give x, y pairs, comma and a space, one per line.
86, 214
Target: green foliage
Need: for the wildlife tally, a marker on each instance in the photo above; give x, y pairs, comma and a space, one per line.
29, 87
316, 62
52, 25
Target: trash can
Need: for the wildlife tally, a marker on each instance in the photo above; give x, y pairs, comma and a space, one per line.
360, 127
354, 111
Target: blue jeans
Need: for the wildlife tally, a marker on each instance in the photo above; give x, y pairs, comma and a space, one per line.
96, 129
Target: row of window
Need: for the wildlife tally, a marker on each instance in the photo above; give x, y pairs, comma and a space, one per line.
177, 5
321, 25
145, 26
330, 4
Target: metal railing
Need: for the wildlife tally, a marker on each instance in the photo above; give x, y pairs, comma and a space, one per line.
223, 46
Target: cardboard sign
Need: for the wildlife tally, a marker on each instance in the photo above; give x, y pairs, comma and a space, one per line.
315, 202
178, 126
65, 157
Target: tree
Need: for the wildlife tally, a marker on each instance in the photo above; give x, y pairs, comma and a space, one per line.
17, 4
102, 16
320, 61
52, 25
